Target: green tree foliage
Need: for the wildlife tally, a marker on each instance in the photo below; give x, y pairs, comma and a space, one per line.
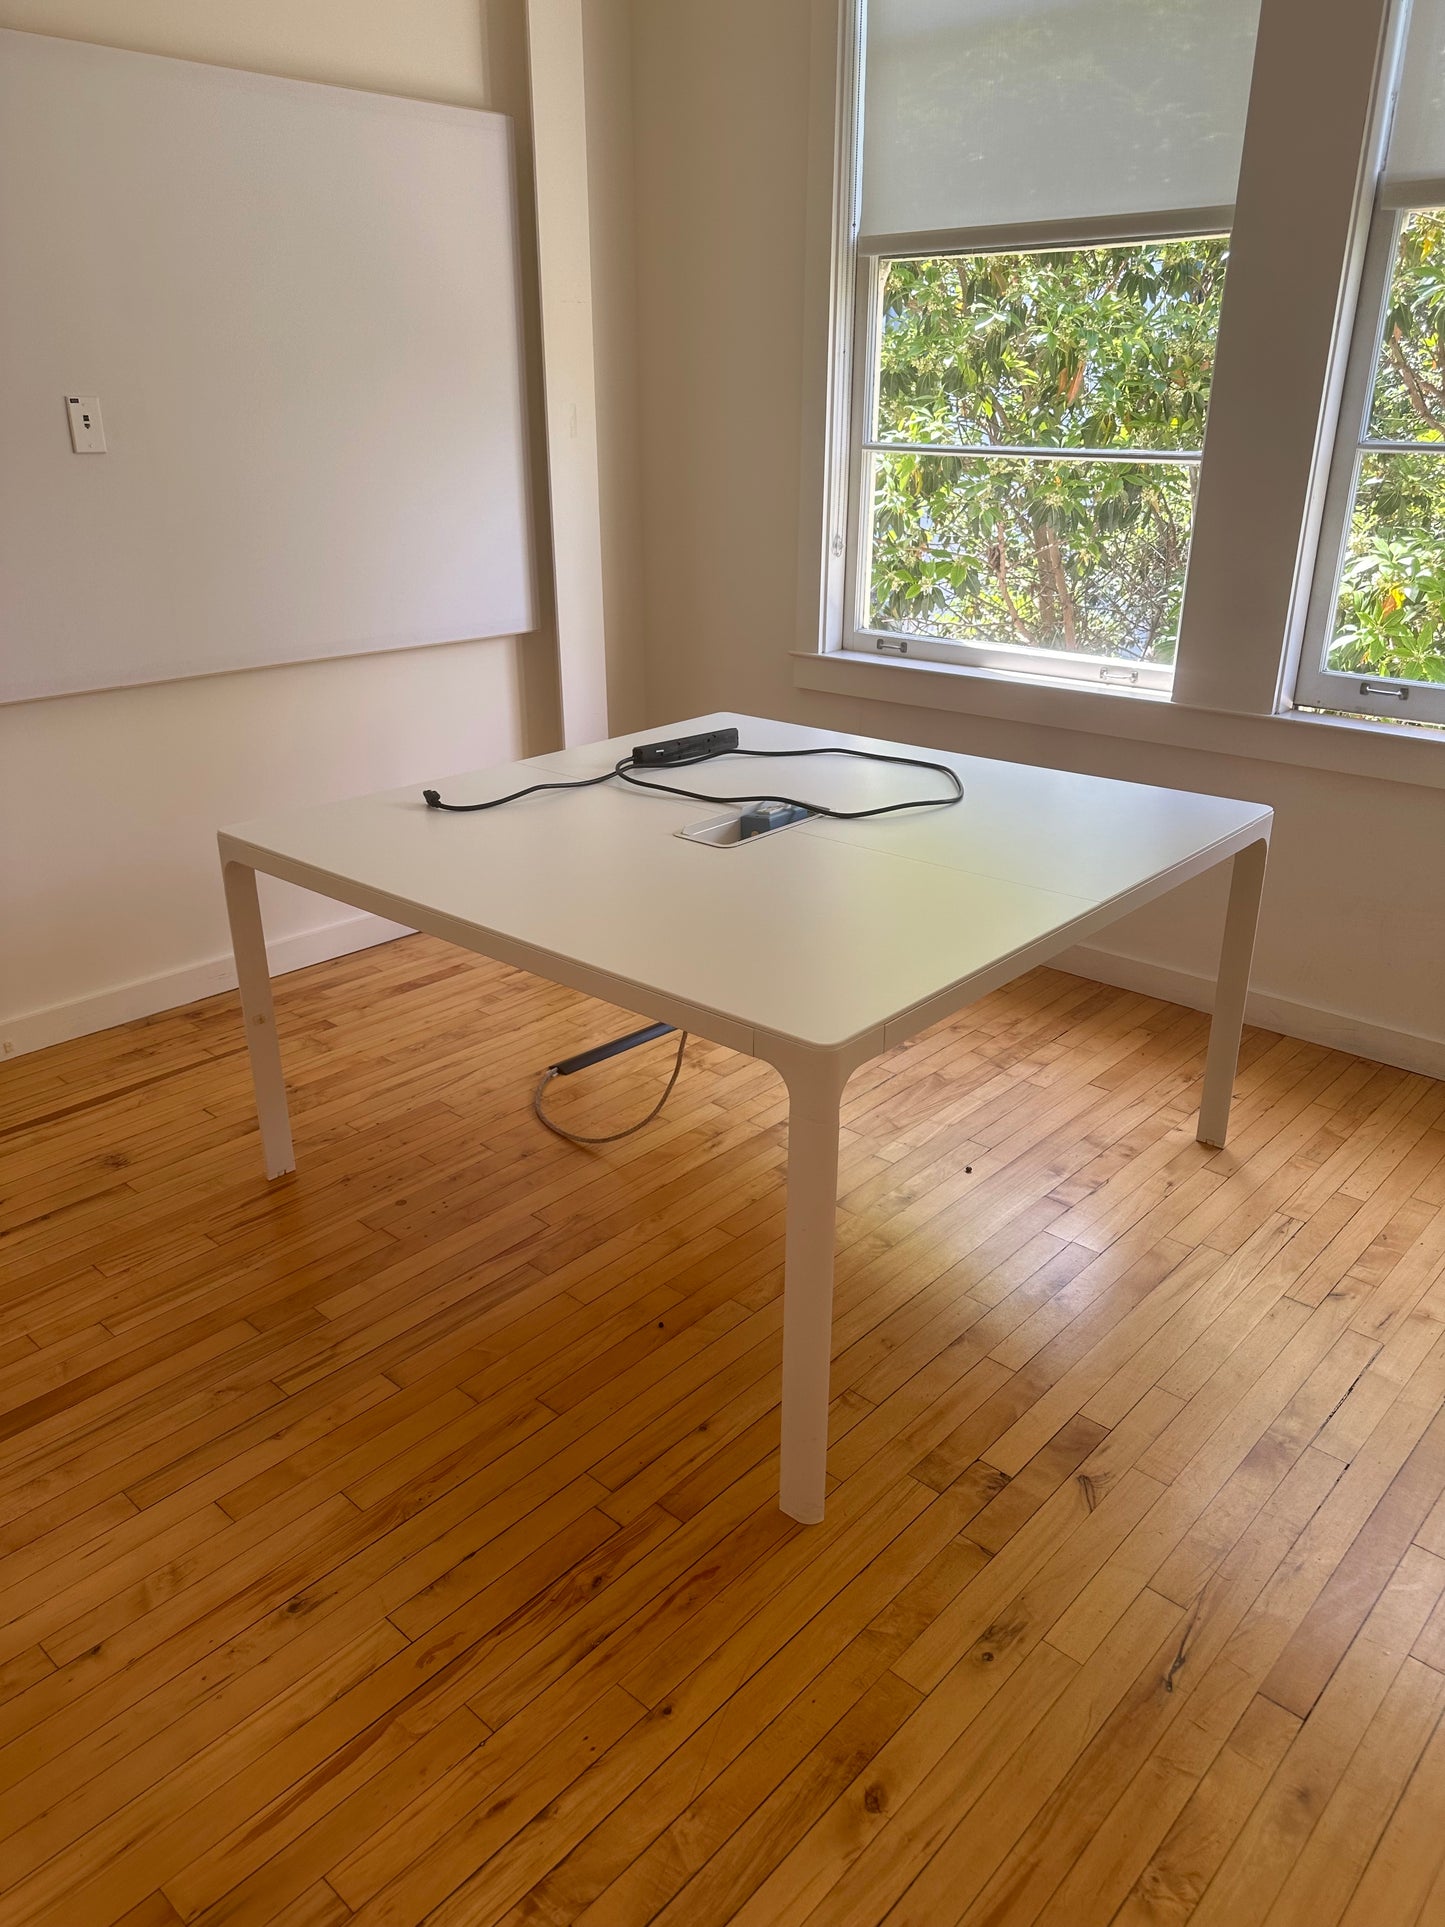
1094, 348
1391, 615
1112, 349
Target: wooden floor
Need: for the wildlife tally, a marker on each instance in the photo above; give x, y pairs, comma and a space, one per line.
399, 1542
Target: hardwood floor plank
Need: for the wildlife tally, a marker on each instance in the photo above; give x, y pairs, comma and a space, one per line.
1322, 1879
398, 1542
1303, 1786
1167, 1891
1406, 1862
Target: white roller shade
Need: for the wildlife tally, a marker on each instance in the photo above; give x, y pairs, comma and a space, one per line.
1417, 140
987, 112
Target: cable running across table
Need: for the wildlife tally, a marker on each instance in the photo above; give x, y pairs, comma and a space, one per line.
625, 770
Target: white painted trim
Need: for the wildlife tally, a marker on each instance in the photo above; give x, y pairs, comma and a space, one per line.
1025, 237
835, 155
58, 1023
1334, 1028
1377, 750
1317, 102
569, 369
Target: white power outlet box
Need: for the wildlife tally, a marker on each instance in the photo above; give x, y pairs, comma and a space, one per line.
87, 431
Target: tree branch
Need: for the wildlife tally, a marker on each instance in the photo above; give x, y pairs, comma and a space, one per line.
1414, 386
1020, 626
1062, 590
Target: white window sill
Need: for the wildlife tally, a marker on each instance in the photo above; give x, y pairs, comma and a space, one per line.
1375, 750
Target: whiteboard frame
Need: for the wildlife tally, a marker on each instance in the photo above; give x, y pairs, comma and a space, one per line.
440, 424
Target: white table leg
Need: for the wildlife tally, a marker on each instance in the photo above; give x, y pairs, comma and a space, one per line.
808, 1296
1230, 990
253, 974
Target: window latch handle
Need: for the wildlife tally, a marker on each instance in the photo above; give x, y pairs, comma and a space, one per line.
1384, 689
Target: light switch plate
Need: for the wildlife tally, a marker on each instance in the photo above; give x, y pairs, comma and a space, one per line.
87, 431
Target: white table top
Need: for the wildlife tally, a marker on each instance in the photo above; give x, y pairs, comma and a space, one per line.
838, 936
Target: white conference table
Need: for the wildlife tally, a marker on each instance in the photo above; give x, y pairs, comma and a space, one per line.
815, 947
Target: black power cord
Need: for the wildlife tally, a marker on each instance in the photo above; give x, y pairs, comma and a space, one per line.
626, 766
687, 753
433, 801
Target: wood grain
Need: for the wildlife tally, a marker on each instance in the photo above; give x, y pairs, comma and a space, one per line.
399, 1542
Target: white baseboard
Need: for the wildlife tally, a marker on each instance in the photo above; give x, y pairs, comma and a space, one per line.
1334, 1028
58, 1023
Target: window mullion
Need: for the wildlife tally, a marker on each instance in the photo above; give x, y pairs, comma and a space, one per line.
1317, 110
867, 298
1033, 451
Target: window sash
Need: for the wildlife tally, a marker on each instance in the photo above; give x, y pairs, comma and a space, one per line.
1315, 685
1044, 237
1114, 673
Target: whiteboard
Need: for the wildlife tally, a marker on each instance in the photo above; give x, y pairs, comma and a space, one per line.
298, 306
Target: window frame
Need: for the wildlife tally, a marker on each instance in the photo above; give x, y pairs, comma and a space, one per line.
1313, 155
872, 254
1316, 686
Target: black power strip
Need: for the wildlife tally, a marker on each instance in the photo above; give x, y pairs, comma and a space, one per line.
685, 749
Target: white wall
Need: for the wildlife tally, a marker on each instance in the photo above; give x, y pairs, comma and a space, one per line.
430, 49
110, 802
1353, 938
699, 157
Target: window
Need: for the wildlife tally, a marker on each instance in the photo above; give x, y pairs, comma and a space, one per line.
1033, 437
1389, 602
1375, 638
1044, 192
1137, 376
